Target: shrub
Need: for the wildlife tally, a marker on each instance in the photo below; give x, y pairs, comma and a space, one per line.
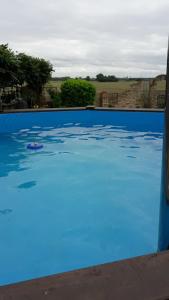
56, 97
76, 92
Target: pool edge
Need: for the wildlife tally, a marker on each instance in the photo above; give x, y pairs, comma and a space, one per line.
81, 108
145, 277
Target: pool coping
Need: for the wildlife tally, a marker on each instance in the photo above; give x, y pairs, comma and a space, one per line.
81, 108
142, 278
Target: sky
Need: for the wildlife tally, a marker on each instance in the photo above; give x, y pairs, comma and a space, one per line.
87, 37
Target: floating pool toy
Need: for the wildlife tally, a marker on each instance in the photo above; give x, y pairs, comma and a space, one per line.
34, 146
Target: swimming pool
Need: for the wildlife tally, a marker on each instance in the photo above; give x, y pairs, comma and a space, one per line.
90, 196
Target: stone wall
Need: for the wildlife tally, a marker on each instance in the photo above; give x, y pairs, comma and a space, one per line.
141, 94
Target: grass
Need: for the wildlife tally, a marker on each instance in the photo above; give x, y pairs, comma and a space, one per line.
111, 87
119, 86
160, 86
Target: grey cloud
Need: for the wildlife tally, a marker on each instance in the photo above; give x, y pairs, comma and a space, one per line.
86, 37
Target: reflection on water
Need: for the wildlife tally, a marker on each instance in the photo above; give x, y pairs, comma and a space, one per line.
27, 185
5, 211
12, 155
13, 147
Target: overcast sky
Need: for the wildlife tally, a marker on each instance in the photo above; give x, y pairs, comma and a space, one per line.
86, 37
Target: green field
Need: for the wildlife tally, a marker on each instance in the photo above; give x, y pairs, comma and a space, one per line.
160, 86
111, 87
119, 86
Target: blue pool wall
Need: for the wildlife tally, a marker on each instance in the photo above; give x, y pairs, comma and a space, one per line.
140, 121
164, 207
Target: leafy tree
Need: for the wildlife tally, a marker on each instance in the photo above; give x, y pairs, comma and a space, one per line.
111, 78
23, 69
8, 67
35, 72
102, 78
76, 92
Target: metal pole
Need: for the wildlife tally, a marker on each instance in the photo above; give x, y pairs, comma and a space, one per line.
166, 138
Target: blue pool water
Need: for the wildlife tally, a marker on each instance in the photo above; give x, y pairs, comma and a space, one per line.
90, 196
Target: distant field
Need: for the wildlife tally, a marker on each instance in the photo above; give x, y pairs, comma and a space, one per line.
112, 87
160, 85
120, 86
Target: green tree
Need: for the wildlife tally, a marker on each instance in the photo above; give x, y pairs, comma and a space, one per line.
102, 78
35, 72
76, 92
8, 67
19, 69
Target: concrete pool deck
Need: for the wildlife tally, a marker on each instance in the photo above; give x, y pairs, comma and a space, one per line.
142, 278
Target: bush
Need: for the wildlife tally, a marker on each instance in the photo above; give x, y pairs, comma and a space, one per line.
76, 92
56, 97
